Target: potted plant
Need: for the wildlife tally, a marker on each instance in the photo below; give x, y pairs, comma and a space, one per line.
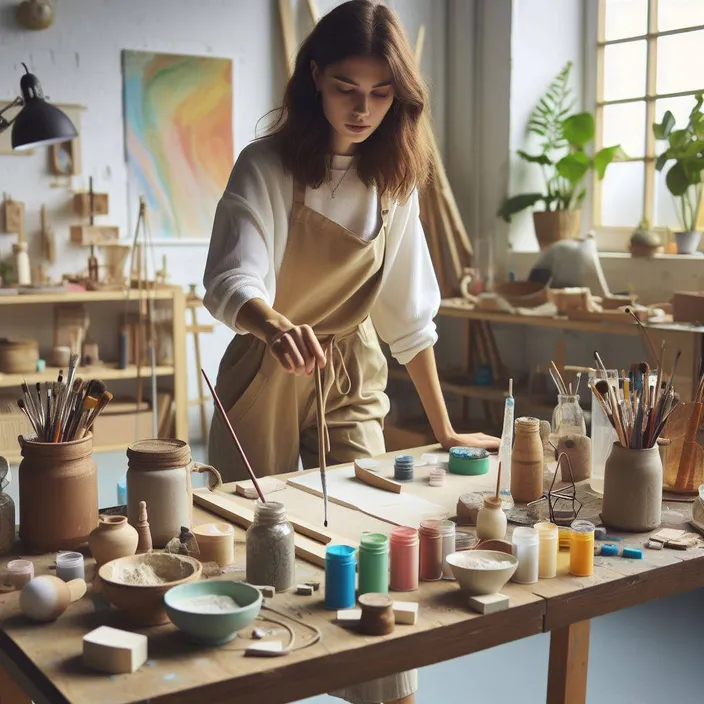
563, 136
685, 147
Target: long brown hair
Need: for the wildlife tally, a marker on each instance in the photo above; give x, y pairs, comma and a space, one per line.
396, 156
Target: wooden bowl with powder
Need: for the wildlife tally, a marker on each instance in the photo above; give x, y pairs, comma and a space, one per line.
137, 584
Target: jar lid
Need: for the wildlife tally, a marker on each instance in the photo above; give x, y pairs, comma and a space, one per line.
492, 502
164, 452
447, 527
375, 602
525, 535
374, 542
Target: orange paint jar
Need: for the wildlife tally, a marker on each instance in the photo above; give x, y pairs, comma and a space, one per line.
582, 549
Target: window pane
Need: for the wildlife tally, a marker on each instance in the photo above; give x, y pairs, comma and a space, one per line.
625, 18
624, 124
674, 14
624, 70
622, 194
679, 65
666, 207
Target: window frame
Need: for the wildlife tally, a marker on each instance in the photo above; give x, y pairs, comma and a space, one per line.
614, 238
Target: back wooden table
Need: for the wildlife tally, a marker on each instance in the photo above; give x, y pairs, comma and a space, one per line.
45, 659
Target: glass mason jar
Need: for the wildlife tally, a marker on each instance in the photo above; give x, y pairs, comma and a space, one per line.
568, 417
270, 549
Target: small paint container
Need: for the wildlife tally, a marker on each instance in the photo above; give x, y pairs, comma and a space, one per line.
430, 550
373, 563
377, 617
340, 568
216, 543
469, 461
19, 572
403, 468
463, 540
70, 565
447, 530
548, 547
525, 548
582, 549
436, 476
404, 559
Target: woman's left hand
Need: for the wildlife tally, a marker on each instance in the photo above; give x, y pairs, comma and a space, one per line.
488, 442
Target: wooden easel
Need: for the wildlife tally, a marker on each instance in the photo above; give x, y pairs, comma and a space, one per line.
193, 302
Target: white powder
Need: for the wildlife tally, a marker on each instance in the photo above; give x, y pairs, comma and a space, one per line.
483, 563
142, 575
209, 604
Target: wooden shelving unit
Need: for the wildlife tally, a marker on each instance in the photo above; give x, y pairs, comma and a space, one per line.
109, 371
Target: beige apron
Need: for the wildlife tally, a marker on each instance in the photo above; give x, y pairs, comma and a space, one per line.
329, 279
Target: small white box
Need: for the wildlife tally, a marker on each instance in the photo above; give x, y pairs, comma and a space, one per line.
489, 603
406, 612
114, 651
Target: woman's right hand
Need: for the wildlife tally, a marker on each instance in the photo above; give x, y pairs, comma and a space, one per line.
297, 349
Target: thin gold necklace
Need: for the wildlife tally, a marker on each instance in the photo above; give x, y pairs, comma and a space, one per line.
332, 190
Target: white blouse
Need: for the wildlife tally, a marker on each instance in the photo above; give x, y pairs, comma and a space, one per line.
249, 239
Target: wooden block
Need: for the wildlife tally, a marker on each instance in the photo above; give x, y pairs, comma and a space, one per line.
349, 616
267, 649
267, 592
14, 216
364, 471
94, 234
114, 651
268, 485
406, 612
654, 545
314, 585
81, 204
489, 603
304, 590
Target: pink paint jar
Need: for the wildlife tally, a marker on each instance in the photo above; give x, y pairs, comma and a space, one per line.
404, 559
430, 550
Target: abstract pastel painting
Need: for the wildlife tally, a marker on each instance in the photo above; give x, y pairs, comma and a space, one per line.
178, 140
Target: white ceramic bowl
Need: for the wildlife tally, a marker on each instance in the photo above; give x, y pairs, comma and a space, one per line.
474, 571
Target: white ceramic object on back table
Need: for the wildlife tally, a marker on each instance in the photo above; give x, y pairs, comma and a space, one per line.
687, 242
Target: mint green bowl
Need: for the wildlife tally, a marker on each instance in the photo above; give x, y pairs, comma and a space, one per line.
208, 626
469, 461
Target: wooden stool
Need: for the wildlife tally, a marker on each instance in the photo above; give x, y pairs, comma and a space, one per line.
193, 302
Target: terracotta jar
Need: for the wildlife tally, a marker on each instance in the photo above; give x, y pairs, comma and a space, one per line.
114, 537
58, 487
632, 489
159, 473
527, 461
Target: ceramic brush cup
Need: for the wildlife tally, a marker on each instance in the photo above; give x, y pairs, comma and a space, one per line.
58, 487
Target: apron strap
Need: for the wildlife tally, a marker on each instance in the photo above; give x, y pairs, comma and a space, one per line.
299, 192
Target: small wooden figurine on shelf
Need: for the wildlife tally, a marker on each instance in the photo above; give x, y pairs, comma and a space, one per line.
13, 221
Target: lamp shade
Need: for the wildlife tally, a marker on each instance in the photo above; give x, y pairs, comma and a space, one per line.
39, 123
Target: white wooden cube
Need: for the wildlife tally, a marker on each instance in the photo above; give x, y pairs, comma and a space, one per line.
406, 612
114, 651
489, 603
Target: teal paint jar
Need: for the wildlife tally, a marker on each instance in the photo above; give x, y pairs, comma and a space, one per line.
374, 563
469, 461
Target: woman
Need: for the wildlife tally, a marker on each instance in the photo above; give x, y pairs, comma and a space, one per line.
316, 247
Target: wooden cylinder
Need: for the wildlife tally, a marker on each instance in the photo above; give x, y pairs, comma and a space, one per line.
377, 614
527, 461
18, 356
58, 487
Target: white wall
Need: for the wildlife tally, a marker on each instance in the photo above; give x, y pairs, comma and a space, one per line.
78, 60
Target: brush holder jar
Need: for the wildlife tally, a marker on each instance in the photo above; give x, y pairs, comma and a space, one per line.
58, 487
159, 473
632, 489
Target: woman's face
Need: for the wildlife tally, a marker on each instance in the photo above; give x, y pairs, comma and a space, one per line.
356, 94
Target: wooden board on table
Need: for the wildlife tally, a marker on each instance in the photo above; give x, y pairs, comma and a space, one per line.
309, 541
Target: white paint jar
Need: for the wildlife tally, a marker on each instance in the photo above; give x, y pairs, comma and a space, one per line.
525, 548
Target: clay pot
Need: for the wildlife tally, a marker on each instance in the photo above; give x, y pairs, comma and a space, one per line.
632, 489
114, 537
58, 489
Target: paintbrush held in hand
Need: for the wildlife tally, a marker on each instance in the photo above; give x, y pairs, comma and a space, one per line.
65, 409
636, 408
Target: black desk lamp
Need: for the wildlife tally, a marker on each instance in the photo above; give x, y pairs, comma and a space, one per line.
38, 123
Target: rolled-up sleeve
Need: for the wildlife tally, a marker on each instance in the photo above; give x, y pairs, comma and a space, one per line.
409, 299
240, 256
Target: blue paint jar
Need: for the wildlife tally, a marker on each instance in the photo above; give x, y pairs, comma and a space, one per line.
340, 568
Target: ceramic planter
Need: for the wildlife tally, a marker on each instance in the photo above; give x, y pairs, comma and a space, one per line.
687, 242
114, 537
632, 489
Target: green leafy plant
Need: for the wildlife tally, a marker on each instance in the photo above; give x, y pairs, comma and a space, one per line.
686, 148
563, 160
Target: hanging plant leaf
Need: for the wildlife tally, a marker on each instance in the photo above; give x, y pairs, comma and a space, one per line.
578, 129
604, 157
573, 167
677, 180
516, 204
661, 130
542, 159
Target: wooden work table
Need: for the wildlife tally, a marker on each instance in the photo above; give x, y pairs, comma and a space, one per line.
46, 659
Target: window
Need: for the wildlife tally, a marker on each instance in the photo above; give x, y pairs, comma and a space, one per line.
648, 60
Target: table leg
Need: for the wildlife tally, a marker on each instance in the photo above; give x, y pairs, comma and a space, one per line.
10, 691
567, 669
